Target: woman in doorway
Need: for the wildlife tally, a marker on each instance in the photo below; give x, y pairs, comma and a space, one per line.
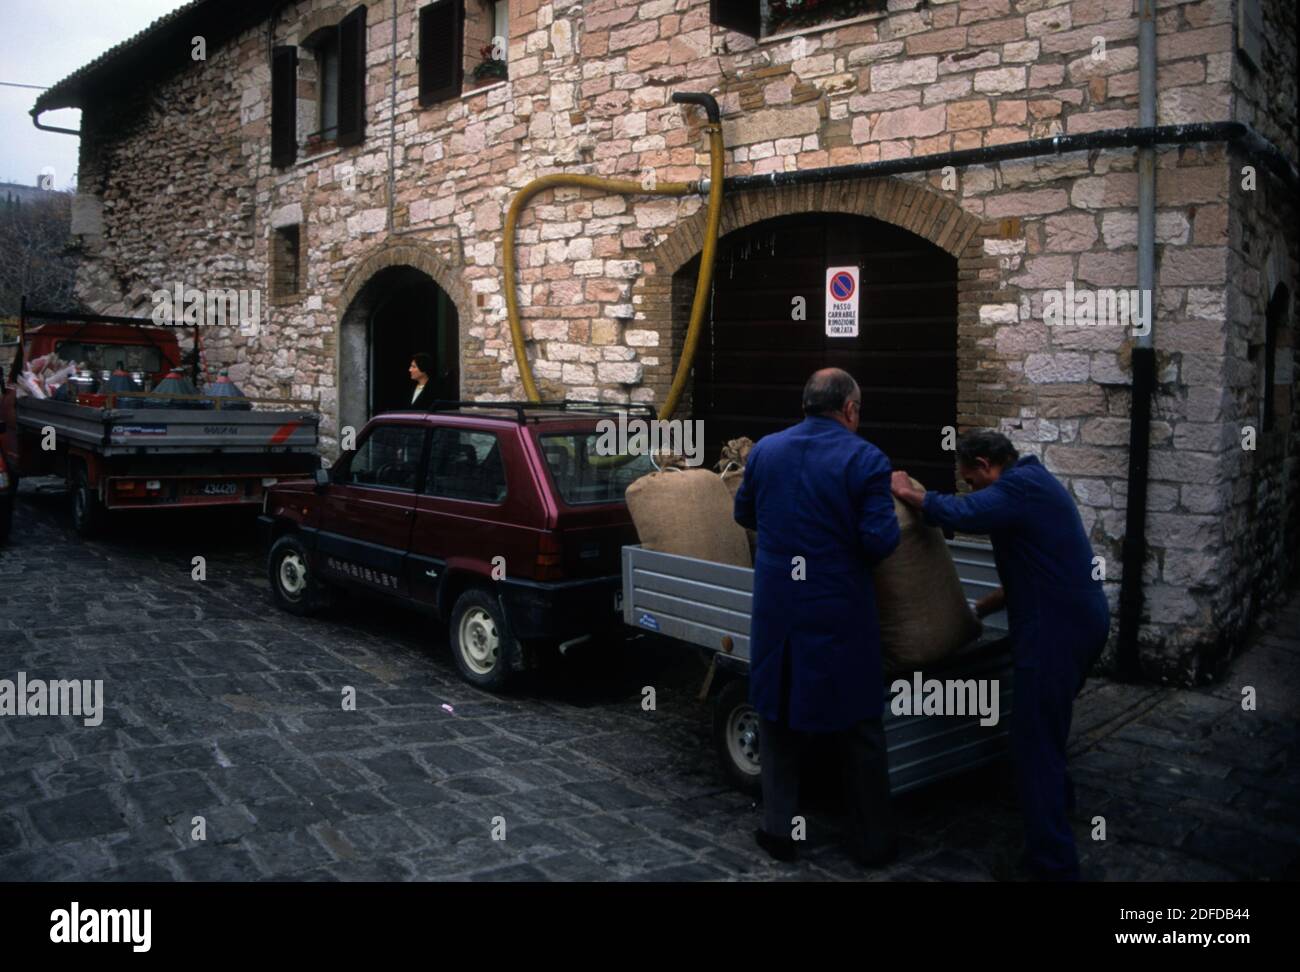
421, 369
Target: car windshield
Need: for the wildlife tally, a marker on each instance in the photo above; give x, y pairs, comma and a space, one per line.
581, 475
105, 357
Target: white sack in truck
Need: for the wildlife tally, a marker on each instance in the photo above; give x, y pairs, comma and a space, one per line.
688, 512
924, 616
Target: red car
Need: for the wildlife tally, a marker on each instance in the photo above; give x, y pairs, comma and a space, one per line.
501, 519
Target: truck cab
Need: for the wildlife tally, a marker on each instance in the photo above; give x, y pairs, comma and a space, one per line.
499, 519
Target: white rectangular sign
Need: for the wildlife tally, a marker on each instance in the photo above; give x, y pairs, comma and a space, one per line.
841, 301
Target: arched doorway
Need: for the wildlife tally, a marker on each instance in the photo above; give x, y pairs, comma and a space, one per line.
398, 312
755, 356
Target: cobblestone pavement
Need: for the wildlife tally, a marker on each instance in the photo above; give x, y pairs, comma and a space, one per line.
219, 705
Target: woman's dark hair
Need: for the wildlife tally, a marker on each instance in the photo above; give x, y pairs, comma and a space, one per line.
986, 444
424, 361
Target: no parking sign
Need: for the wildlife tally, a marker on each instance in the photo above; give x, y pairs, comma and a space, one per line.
841, 301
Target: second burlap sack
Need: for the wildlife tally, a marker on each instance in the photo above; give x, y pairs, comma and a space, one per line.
732, 476
924, 616
688, 512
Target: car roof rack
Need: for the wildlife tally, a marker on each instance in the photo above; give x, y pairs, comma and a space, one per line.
522, 410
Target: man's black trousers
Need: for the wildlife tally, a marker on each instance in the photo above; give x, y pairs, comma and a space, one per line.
861, 752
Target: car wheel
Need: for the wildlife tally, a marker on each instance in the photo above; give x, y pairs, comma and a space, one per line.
294, 584
735, 736
481, 642
6, 515
88, 512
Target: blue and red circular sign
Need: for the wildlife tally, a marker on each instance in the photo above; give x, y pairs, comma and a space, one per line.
842, 285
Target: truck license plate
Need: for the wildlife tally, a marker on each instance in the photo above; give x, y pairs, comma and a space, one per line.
219, 489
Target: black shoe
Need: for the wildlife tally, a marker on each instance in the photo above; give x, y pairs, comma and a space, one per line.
778, 848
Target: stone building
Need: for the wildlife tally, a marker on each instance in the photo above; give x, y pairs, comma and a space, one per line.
354, 162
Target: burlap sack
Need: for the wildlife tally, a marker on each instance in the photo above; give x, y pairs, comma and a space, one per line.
732, 476
688, 512
924, 617
735, 452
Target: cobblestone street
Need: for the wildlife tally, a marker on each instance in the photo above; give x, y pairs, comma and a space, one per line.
219, 705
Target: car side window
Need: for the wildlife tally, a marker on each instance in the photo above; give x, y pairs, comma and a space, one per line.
388, 457
466, 465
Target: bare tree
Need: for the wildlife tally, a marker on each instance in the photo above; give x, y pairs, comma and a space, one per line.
37, 255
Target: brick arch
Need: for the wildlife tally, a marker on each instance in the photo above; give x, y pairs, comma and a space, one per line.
422, 257
663, 307
911, 205
352, 315
319, 20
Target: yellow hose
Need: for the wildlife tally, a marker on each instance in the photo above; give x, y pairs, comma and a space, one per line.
703, 282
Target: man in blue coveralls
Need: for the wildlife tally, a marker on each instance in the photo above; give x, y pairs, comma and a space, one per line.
818, 495
1057, 612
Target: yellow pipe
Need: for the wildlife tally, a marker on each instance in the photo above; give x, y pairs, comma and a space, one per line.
626, 186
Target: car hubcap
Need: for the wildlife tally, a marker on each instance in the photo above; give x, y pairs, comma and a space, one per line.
742, 739
479, 643
293, 575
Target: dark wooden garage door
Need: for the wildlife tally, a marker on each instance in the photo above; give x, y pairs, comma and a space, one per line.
753, 358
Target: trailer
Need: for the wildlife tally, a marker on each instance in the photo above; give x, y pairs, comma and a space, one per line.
132, 451
707, 605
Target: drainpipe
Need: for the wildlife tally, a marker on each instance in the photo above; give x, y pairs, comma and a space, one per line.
36, 120
1144, 364
1239, 134
392, 128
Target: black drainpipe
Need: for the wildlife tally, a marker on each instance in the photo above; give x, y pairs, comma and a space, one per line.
1245, 138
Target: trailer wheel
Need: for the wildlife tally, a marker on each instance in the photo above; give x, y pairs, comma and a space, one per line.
481, 642
735, 736
294, 584
88, 512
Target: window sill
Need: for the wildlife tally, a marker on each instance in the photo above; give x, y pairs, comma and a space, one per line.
482, 88
822, 28
319, 155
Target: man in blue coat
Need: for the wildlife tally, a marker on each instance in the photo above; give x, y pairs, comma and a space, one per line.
818, 495
1057, 612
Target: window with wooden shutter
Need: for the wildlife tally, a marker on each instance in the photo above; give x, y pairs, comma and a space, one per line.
742, 16
284, 106
442, 27
352, 78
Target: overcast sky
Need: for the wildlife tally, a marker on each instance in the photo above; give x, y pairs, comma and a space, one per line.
42, 42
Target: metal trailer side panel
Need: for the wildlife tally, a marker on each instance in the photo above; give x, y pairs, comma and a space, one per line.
692, 600
707, 604
702, 603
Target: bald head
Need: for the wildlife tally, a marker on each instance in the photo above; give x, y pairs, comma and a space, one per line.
828, 390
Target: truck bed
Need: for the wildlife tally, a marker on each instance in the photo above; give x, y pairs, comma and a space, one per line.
708, 605
161, 431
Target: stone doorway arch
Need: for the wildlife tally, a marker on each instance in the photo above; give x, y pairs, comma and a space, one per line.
403, 294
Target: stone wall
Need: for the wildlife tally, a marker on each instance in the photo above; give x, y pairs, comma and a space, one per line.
605, 281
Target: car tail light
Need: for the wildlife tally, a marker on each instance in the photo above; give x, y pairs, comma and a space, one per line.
550, 564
